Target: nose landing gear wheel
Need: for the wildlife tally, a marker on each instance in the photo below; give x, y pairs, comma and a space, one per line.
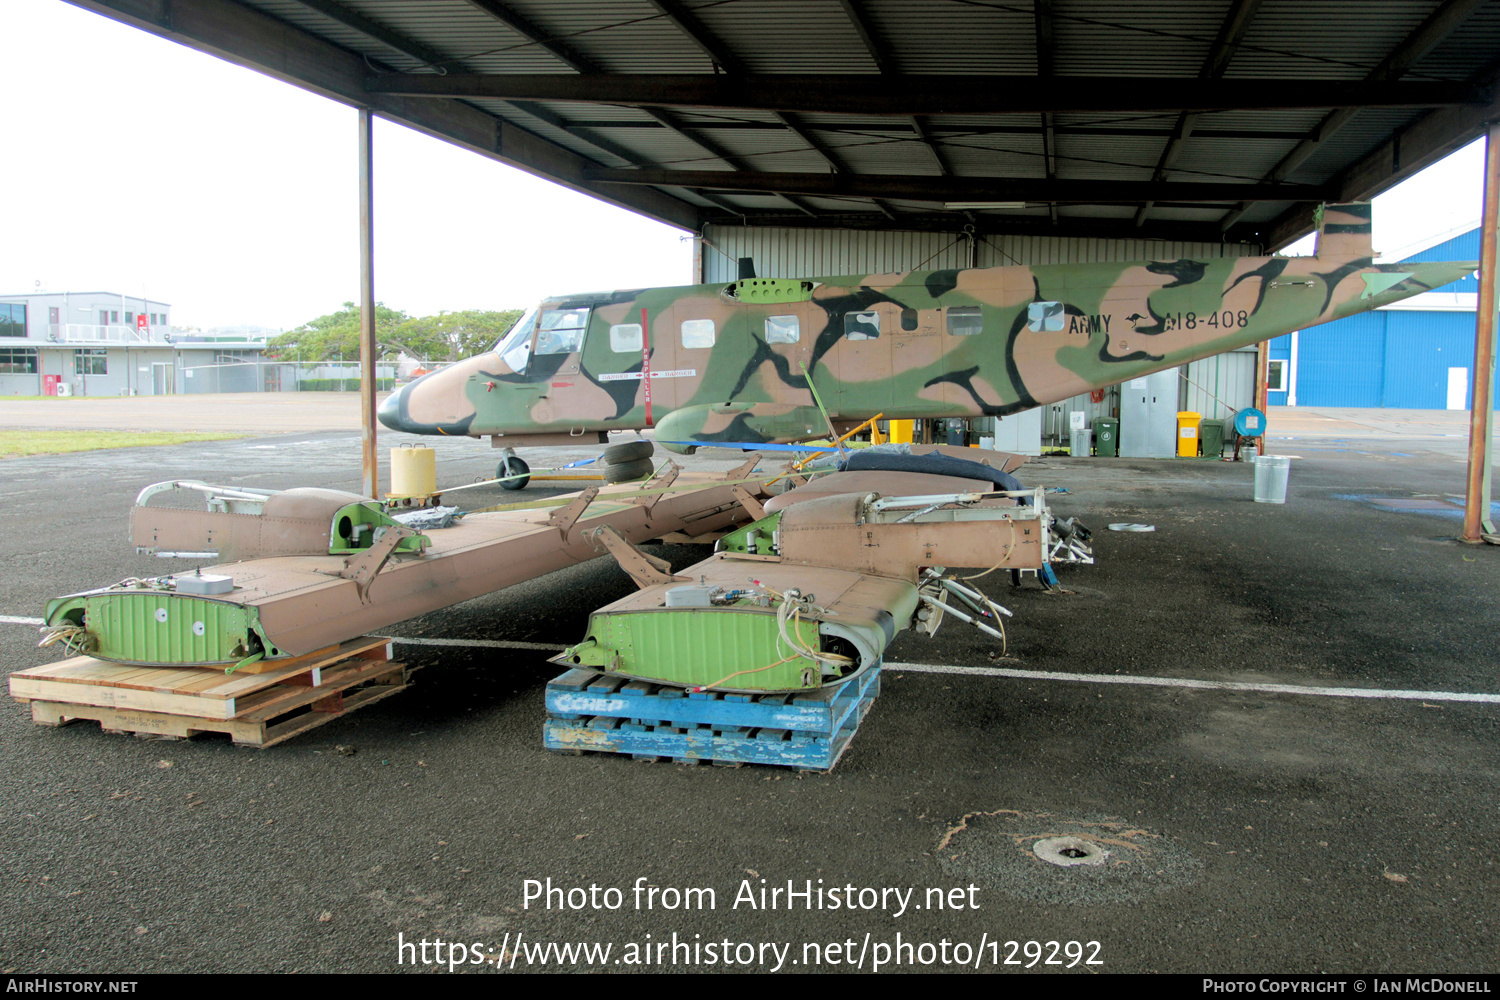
513, 467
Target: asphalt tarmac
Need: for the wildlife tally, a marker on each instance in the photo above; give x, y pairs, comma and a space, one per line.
1246, 830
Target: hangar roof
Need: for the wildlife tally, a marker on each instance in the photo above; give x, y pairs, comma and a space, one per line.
1188, 120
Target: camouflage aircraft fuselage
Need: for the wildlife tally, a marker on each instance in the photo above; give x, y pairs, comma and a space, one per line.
732, 362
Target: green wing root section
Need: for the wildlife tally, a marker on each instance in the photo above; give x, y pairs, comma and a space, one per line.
738, 642
153, 626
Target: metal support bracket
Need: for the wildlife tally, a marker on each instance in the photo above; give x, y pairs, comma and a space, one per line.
661, 482
363, 567
564, 519
742, 471
645, 570
752, 506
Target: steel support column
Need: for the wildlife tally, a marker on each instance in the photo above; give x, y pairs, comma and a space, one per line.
1478, 525
367, 353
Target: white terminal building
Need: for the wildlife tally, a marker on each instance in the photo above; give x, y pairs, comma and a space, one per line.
107, 344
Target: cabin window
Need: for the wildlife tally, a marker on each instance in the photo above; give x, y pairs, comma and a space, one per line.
561, 331
862, 325
965, 321
697, 333
908, 320
625, 338
1276, 375
1046, 317
783, 330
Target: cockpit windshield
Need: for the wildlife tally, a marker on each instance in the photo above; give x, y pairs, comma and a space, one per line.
515, 347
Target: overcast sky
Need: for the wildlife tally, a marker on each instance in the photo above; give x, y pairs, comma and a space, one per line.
137, 165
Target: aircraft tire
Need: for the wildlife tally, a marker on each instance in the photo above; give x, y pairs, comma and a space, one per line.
627, 472
513, 467
628, 451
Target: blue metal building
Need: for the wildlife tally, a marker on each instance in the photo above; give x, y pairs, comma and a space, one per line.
1413, 355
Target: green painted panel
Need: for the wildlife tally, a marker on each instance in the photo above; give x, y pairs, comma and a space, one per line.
354, 530
760, 532
699, 646
166, 628
771, 290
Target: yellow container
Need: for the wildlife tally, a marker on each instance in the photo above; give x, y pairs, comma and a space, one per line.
413, 471
1187, 433
901, 431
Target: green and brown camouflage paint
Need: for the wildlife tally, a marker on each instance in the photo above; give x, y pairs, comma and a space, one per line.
898, 343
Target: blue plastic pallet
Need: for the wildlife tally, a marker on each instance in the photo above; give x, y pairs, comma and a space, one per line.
808, 730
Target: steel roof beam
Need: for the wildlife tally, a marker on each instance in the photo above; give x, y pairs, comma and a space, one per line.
880, 55
374, 29
518, 23
931, 94
1046, 44
247, 37
1416, 147
500, 11
720, 55
1424, 38
945, 189
582, 64
1231, 33
865, 129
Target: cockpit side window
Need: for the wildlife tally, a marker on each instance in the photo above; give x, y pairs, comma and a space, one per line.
561, 331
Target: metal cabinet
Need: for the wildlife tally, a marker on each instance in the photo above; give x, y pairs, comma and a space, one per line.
1148, 416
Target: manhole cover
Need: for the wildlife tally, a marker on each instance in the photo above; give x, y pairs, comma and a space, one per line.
1065, 852
1054, 858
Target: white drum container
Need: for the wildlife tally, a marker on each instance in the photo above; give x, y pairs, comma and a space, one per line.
1271, 475
413, 471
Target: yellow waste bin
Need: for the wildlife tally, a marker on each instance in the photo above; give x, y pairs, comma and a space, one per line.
1187, 433
901, 431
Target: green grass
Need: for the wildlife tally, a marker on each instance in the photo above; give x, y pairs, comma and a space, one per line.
15, 444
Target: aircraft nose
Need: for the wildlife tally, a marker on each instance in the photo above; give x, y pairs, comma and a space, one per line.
393, 409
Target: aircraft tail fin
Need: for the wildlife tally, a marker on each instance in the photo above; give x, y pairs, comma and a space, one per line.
1344, 230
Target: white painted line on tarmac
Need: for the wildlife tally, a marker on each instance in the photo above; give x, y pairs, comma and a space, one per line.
1009, 672
481, 643
1187, 682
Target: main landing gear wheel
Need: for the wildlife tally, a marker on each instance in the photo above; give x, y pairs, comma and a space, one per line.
628, 451
513, 467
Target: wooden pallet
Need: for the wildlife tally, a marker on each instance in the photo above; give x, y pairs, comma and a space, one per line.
809, 730
258, 710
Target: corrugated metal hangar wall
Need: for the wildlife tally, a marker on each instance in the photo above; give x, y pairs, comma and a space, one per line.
810, 253
1212, 387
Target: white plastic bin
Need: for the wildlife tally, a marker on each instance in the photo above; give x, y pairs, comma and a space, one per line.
1271, 475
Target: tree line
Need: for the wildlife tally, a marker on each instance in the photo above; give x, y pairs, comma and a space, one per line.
448, 336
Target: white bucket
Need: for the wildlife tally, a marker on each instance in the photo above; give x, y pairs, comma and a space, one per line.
1271, 474
413, 471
